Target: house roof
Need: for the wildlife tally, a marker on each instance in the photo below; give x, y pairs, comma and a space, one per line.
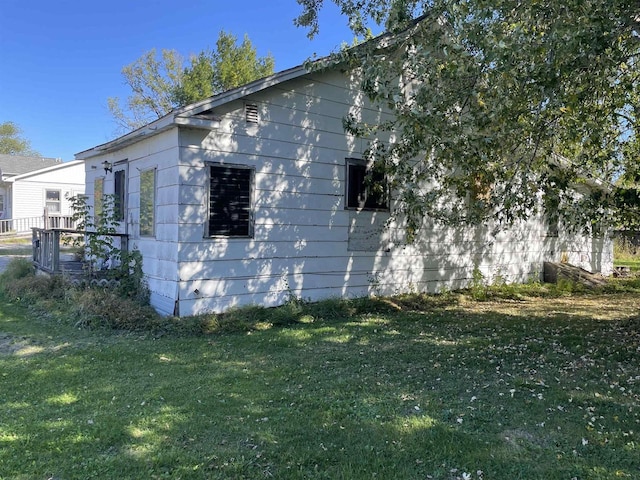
57, 166
11, 165
196, 114
188, 115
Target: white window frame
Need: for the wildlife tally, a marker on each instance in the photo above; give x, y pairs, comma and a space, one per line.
47, 202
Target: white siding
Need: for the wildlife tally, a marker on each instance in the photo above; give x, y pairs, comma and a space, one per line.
29, 190
305, 243
160, 252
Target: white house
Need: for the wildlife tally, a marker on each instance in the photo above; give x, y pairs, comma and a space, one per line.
257, 194
31, 185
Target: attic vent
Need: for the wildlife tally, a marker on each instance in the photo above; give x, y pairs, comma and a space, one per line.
251, 113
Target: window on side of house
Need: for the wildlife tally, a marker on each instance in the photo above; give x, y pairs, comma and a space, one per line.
230, 192
552, 225
147, 202
365, 190
1, 205
551, 200
119, 194
98, 196
52, 201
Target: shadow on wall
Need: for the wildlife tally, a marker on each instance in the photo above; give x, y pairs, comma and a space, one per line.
304, 242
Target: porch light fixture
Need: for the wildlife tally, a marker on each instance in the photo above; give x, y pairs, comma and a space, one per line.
108, 166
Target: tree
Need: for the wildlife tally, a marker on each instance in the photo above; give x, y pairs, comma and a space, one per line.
152, 81
229, 66
499, 103
12, 143
159, 84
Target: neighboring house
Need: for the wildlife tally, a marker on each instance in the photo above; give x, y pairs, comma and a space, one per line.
29, 185
257, 194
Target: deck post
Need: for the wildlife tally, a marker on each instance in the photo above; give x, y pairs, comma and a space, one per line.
56, 251
35, 245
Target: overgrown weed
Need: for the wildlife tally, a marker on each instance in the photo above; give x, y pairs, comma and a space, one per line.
88, 306
16, 269
128, 309
625, 250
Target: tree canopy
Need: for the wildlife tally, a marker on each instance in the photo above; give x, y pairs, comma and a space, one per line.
152, 81
12, 142
499, 104
228, 66
161, 83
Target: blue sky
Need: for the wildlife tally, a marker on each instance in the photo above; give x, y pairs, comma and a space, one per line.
60, 60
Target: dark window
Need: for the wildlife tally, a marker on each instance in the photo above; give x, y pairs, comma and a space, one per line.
365, 190
552, 225
551, 201
230, 201
119, 193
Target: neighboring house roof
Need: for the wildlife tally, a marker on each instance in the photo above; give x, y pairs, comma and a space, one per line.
11, 165
57, 166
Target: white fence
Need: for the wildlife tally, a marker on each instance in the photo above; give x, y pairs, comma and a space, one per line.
17, 226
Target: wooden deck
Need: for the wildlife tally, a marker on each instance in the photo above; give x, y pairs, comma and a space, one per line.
51, 257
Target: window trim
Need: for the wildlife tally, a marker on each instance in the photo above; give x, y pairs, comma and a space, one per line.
252, 180
47, 201
120, 198
153, 170
357, 162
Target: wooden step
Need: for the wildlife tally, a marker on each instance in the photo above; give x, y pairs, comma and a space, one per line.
554, 271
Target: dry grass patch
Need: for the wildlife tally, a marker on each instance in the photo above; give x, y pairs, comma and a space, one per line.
596, 307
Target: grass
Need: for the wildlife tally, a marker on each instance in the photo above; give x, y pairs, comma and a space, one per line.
633, 264
626, 254
407, 388
24, 239
12, 245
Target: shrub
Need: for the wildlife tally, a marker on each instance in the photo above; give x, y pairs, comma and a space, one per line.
17, 268
131, 280
19, 281
122, 307
104, 307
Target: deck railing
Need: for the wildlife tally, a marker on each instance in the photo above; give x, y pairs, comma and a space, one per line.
24, 225
47, 246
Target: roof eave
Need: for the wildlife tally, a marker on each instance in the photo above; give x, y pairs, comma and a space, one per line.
42, 170
241, 92
182, 116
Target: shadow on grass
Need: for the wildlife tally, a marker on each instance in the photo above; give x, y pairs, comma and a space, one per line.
371, 390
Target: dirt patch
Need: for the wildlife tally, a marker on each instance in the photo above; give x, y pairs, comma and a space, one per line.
518, 438
606, 307
24, 346
9, 345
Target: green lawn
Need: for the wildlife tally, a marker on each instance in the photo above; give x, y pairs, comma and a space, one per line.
633, 264
531, 389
